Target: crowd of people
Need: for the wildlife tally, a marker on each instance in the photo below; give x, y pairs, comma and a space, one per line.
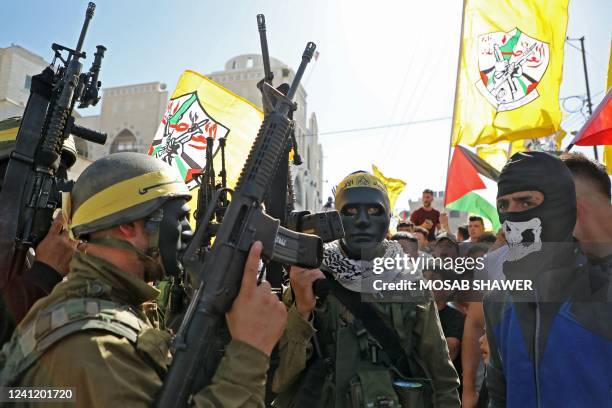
84, 313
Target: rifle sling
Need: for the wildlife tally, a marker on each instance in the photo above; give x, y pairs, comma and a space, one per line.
372, 322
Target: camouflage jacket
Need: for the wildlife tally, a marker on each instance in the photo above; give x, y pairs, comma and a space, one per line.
108, 368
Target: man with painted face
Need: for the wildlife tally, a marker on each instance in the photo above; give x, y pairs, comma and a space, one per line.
364, 353
550, 346
91, 332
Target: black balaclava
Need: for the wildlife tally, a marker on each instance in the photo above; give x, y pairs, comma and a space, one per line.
539, 237
174, 235
363, 232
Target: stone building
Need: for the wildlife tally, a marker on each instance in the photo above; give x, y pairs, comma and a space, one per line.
131, 114
128, 114
241, 75
17, 66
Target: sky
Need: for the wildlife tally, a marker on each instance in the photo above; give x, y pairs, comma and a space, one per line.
381, 63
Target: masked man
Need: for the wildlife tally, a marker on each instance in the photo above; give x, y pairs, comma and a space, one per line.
91, 334
377, 354
550, 346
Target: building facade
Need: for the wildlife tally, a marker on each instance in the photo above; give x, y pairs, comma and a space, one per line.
17, 66
241, 75
129, 115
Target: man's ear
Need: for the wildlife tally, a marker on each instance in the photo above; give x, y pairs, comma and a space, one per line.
127, 230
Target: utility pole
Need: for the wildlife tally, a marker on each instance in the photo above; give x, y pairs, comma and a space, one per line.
586, 80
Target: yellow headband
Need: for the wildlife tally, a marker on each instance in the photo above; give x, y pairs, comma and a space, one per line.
360, 179
127, 194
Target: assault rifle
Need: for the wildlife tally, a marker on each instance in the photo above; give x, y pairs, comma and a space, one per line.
280, 199
196, 345
33, 182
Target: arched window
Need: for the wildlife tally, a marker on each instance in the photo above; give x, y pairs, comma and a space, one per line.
125, 141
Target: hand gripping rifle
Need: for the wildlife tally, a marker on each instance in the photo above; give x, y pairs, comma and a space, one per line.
196, 352
34, 180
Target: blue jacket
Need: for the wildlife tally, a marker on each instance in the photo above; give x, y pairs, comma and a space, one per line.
556, 353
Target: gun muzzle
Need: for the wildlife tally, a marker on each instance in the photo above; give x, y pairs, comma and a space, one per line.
88, 16
261, 22
306, 57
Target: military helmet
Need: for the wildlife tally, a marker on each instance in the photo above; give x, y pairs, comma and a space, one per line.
121, 188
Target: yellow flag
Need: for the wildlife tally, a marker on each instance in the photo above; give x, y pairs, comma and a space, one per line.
394, 186
509, 71
607, 159
497, 154
200, 108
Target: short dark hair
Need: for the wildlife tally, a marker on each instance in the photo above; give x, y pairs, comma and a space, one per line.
487, 237
463, 230
403, 236
476, 218
479, 247
583, 167
428, 191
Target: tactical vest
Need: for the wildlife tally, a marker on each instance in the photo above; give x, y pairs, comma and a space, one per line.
59, 321
356, 370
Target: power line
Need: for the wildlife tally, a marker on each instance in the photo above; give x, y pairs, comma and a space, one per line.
389, 125
416, 122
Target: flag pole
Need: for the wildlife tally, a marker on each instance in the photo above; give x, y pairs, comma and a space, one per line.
450, 142
588, 88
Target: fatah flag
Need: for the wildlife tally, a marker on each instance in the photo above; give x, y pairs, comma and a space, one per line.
200, 108
597, 130
471, 185
510, 71
497, 154
394, 186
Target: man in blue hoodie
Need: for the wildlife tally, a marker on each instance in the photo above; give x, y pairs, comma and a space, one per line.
550, 346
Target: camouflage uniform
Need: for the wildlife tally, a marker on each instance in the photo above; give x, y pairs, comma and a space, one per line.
105, 367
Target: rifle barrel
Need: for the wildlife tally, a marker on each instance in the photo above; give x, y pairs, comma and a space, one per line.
88, 16
265, 55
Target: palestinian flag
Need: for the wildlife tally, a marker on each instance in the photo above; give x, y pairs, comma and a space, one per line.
471, 186
598, 129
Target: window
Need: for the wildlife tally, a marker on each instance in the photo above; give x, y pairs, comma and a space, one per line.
125, 141
28, 82
234, 64
285, 72
250, 62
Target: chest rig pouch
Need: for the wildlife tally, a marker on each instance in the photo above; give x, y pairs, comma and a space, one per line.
71, 316
373, 352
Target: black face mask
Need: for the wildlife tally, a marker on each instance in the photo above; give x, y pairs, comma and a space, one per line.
365, 217
174, 235
535, 235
